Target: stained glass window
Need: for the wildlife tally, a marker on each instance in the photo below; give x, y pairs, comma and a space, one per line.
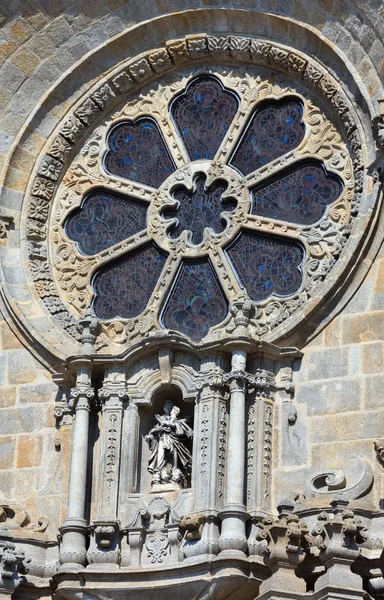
124, 288
274, 129
301, 196
137, 151
196, 302
266, 265
203, 115
104, 220
200, 208
205, 228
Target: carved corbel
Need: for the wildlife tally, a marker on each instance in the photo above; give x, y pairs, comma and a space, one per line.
283, 542
12, 563
105, 548
338, 538
136, 536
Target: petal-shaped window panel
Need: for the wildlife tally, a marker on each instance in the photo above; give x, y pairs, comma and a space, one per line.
274, 129
196, 301
199, 208
203, 114
105, 219
137, 151
301, 195
124, 288
266, 265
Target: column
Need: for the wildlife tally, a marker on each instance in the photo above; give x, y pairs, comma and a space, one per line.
233, 539
74, 530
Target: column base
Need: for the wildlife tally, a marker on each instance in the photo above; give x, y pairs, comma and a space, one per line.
72, 554
233, 538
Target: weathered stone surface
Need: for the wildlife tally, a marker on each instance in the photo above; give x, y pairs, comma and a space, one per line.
353, 426
333, 396
7, 452
21, 367
21, 420
328, 364
374, 387
28, 451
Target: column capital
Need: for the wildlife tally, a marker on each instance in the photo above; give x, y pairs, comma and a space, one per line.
82, 398
112, 396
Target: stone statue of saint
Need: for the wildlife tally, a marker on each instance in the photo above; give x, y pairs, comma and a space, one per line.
170, 461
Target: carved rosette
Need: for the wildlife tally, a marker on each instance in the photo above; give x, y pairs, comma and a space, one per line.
63, 178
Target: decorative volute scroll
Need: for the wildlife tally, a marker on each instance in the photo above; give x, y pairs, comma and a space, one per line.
353, 482
15, 517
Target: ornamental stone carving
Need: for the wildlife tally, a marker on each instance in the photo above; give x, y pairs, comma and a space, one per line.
67, 174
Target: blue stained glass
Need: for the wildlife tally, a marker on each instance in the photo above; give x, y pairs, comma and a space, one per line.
274, 129
196, 302
203, 114
199, 209
300, 196
124, 288
105, 219
138, 152
266, 265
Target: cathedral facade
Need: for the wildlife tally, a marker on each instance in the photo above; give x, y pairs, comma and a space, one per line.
192, 300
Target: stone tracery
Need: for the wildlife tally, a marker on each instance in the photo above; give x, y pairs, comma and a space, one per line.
275, 110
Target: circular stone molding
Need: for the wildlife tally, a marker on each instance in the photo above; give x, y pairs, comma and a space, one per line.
209, 176
61, 278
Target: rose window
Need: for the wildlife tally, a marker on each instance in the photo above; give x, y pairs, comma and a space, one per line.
200, 201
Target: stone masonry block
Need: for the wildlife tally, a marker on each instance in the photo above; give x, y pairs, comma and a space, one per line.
44, 392
28, 452
335, 455
21, 420
374, 391
25, 61
331, 396
372, 357
356, 426
362, 328
21, 367
59, 31
9, 341
332, 362
12, 77
7, 452
2, 368
19, 30
7, 396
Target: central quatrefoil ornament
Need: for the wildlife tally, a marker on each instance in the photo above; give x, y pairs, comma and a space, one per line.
198, 207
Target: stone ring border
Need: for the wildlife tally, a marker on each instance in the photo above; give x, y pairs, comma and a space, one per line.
130, 77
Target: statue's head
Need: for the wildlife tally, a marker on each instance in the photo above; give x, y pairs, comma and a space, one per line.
168, 406
175, 411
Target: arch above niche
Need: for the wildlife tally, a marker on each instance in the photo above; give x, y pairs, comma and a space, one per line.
104, 96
